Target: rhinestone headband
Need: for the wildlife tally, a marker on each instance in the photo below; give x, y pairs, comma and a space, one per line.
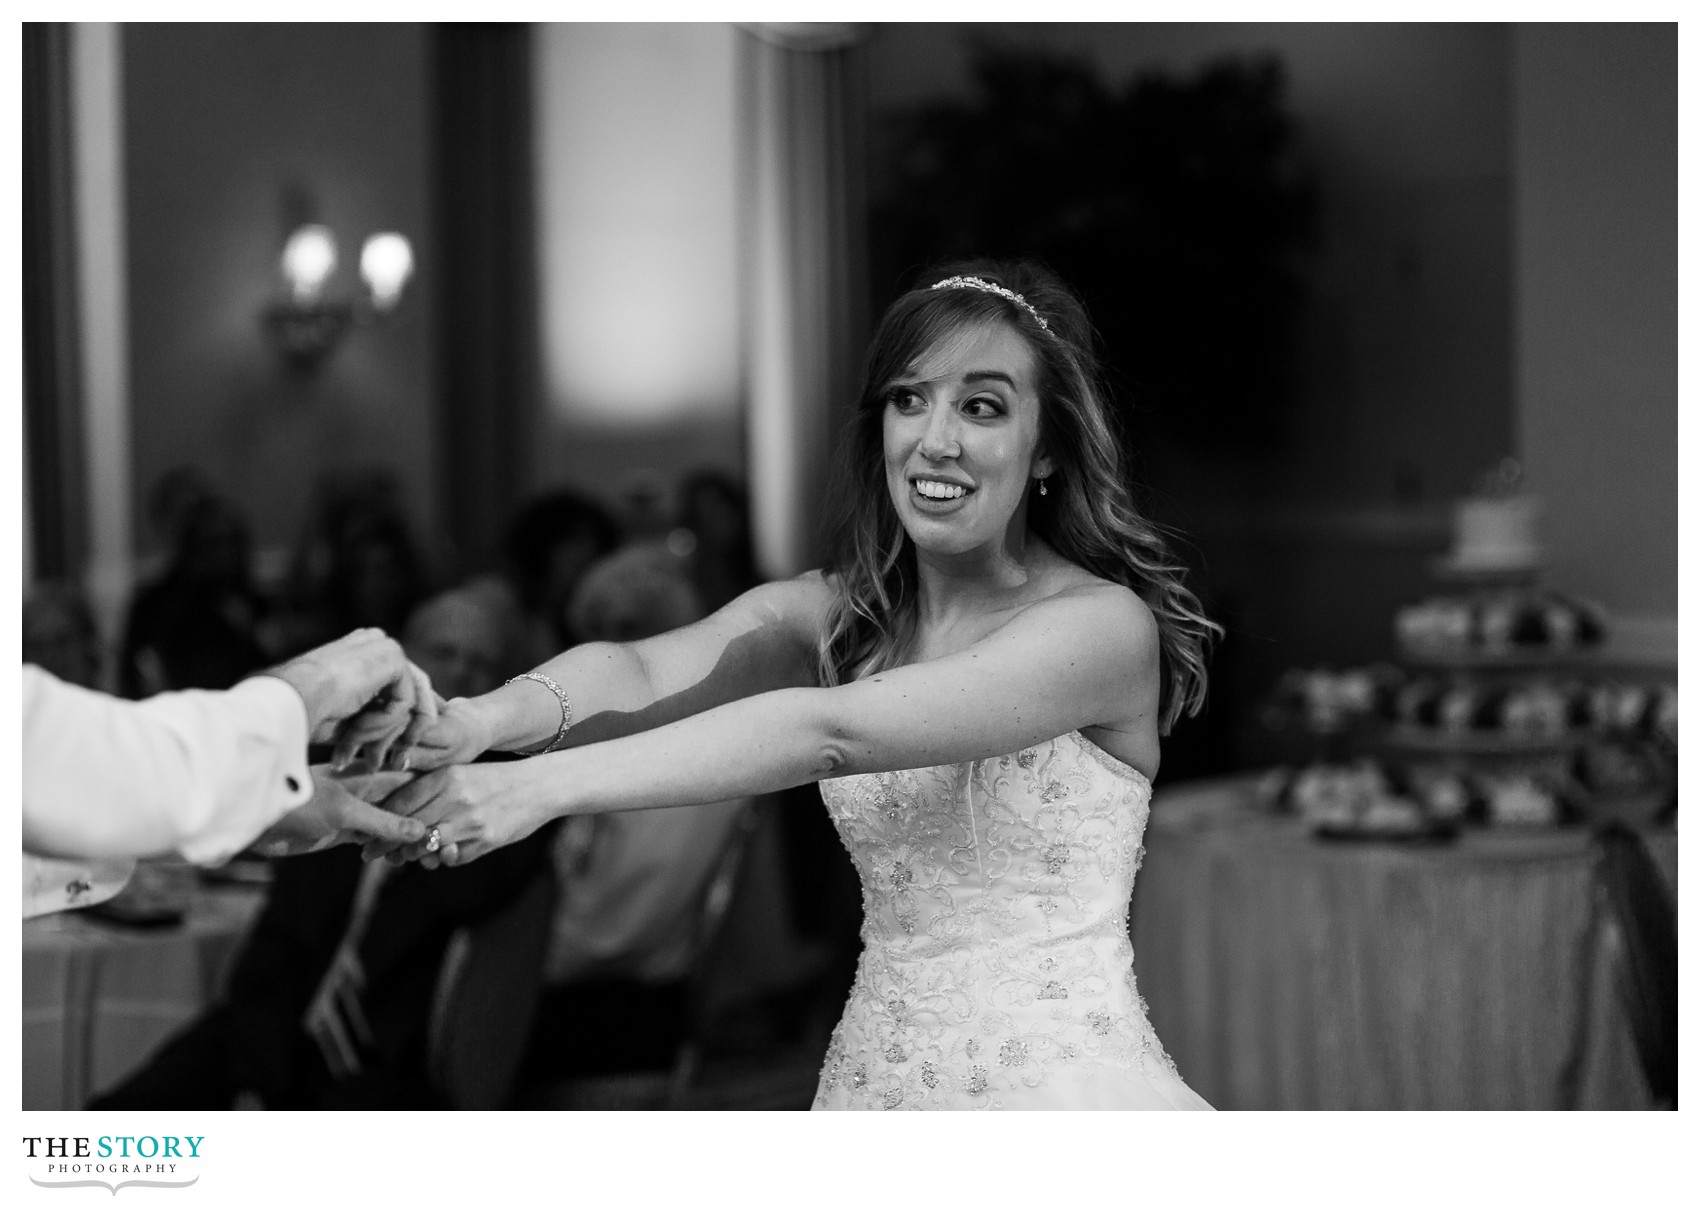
994, 289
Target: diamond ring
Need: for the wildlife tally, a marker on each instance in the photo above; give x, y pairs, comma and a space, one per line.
433, 840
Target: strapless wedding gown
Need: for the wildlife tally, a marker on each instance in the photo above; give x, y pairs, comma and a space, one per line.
996, 969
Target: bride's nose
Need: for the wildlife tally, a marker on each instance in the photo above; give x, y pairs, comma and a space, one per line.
939, 439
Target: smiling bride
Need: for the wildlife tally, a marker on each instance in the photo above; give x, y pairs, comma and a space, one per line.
978, 680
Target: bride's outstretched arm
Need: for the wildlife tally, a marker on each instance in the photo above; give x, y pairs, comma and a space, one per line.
1078, 660
760, 641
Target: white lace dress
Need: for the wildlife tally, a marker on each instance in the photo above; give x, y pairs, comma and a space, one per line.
996, 970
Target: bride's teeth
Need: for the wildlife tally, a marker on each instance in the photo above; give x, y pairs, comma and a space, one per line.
939, 491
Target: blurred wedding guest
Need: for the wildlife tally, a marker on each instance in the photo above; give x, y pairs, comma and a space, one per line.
631, 884
196, 626
173, 495
821, 883
202, 774
356, 563
330, 1002
60, 634
548, 545
714, 512
645, 505
463, 639
377, 575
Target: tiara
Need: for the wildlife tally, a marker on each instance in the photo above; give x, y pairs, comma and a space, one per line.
995, 289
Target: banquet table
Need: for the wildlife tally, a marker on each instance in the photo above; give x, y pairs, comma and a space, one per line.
1284, 971
98, 997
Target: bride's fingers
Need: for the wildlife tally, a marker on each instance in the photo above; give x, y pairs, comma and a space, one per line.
426, 700
413, 798
422, 713
365, 731
379, 751
407, 748
376, 724
382, 741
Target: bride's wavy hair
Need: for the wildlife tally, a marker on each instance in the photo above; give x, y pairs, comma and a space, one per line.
1088, 514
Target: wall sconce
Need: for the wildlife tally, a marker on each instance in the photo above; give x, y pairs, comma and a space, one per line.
308, 324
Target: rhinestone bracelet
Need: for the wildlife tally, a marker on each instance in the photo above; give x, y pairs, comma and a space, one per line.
566, 708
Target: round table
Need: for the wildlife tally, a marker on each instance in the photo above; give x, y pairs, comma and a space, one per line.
98, 997
1287, 972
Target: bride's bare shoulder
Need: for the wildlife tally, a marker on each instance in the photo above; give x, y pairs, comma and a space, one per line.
797, 603
1114, 609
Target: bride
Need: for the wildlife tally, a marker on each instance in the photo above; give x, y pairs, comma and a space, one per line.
978, 681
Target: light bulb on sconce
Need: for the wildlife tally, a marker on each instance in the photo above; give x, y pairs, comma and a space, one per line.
309, 259
386, 263
308, 324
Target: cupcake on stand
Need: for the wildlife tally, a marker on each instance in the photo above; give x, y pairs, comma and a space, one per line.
1509, 691
1504, 708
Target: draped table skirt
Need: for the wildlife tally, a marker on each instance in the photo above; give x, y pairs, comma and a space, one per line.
99, 997
1286, 972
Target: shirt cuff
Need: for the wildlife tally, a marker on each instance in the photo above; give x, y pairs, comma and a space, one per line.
51, 884
276, 724
282, 704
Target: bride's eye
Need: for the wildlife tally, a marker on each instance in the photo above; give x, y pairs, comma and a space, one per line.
982, 407
903, 398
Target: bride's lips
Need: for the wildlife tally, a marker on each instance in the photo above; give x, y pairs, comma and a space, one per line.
938, 504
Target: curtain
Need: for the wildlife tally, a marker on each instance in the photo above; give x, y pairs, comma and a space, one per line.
57, 514
803, 173
485, 252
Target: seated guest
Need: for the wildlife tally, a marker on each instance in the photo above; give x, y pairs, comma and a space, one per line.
713, 509
60, 634
548, 546
377, 574
630, 883
462, 639
197, 626
330, 999
355, 563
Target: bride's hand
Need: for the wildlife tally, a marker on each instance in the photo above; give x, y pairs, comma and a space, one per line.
457, 735
471, 810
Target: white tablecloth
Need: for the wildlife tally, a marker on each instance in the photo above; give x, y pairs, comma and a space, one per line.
1284, 972
99, 997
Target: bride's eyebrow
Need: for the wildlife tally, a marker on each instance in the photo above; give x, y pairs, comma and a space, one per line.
913, 379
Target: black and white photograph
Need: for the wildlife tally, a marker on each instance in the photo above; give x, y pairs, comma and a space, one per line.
692, 566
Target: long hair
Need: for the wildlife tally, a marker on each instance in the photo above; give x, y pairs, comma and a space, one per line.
1088, 514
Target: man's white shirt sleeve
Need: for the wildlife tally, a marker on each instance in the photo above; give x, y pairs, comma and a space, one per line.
200, 773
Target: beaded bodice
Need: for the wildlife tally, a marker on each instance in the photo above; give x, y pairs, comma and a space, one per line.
996, 960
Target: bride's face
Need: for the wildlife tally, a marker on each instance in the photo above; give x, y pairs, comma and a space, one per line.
961, 435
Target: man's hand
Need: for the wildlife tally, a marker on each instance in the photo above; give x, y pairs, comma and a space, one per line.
361, 692
336, 814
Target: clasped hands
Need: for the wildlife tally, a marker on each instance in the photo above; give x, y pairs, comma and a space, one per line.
386, 726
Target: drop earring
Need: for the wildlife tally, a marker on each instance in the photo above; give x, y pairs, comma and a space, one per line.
1041, 485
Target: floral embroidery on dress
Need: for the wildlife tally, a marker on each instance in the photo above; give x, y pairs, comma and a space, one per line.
996, 959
